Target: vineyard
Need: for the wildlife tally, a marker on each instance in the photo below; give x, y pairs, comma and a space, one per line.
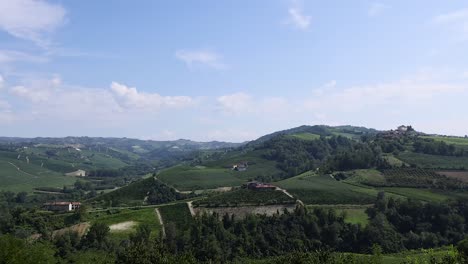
246, 197
420, 178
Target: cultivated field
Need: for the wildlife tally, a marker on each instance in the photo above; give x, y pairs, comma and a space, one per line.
459, 175
449, 140
178, 214
19, 176
185, 178
324, 189
434, 161
245, 197
305, 136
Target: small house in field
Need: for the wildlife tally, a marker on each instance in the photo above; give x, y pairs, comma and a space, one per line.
241, 166
260, 186
62, 206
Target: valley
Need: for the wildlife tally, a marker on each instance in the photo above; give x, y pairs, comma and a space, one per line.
306, 171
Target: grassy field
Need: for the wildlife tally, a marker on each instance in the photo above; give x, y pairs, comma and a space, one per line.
185, 178
368, 177
419, 194
355, 214
246, 197
305, 136
68, 159
434, 161
314, 189
393, 160
140, 216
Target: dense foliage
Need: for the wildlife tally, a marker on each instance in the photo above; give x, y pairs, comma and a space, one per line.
433, 147
295, 156
152, 189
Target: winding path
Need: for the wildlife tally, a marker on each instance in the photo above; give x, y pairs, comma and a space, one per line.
158, 214
17, 168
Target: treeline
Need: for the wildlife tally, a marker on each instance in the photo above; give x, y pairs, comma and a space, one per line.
152, 189
295, 156
395, 226
433, 147
406, 224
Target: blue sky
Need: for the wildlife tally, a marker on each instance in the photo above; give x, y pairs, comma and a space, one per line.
230, 70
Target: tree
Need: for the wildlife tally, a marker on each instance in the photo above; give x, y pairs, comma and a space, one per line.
97, 237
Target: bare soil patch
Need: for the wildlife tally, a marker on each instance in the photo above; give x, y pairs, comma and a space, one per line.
78, 173
460, 175
80, 228
124, 226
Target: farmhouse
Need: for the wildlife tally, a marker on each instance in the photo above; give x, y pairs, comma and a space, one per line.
242, 166
62, 206
260, 186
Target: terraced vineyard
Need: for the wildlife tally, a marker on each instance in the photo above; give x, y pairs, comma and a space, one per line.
246, 197
420, 178
434, 161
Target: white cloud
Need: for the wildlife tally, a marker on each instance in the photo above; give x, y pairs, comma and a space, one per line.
235, 103
2, 81
239, 104
376, 9
130, 98
457, 20
31, 94
36, 90
325, 88
193, 58
408, 91
298, 19
13, 55
32, 20
453, 17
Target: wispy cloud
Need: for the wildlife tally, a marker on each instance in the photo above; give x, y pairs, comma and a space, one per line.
376, 9
457, 20
33, 20
131, 98
7, 56
194, 58
298, 19
453, 17
296, 16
